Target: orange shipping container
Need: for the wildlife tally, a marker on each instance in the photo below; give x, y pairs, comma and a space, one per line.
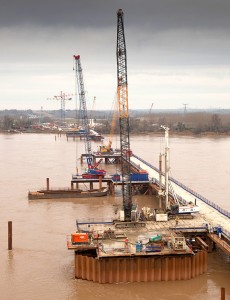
80, 238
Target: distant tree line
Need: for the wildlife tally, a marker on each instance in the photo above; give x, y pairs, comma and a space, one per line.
195, 123
139, 122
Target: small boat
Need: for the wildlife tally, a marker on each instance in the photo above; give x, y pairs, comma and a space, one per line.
67, 193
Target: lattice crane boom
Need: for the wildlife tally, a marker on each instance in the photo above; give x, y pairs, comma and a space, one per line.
63, 97
83, 107
122, 94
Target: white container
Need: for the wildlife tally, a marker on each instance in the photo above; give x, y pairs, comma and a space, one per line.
122, 215
161, 217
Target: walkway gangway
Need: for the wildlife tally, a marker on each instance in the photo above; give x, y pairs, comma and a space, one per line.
220, 242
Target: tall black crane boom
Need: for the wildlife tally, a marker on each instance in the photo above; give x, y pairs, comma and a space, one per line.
122, 94
83, 107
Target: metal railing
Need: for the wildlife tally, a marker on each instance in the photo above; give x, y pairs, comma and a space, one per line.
187, 189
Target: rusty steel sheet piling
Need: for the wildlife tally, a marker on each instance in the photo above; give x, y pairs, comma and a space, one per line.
9, 235
140, 269
222, 293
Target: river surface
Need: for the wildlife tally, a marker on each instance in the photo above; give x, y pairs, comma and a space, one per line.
40, 267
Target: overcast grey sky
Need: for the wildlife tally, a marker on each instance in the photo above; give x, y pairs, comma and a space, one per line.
178, 52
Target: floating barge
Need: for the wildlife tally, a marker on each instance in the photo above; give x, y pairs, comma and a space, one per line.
80, 133
49, 193
67, 193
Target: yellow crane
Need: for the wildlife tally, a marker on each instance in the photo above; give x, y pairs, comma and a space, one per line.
108, 147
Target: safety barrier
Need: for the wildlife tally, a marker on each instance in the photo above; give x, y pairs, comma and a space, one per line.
187, 189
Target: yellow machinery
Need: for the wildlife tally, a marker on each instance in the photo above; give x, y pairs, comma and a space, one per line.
108, 148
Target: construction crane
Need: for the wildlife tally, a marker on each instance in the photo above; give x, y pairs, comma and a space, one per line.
167, 168
150, 110
63, 97
92, 114
122, 94
93, 171
185, 107
172, 202
83, 107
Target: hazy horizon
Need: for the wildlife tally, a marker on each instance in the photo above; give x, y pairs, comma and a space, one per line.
177, 52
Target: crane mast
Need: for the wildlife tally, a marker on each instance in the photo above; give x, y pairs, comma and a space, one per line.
83, 107
122, 94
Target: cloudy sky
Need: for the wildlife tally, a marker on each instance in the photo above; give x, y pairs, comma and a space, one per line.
178, 52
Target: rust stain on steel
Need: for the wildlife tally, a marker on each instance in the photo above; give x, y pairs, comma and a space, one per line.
140, 269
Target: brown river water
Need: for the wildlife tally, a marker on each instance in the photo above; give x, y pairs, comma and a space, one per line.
40, 266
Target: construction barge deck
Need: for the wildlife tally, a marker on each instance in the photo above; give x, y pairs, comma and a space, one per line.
109, 259
66, 193
62, 193
114, 255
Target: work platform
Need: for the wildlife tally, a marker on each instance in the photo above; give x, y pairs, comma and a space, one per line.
111, 260
137, 186
79, 179
109, 158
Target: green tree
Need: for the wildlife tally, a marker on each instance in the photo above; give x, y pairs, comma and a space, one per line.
8, 122
215, 122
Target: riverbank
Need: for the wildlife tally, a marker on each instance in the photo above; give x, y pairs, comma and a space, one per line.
153, 133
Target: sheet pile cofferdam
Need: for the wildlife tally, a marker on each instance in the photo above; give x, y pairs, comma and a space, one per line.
140, 269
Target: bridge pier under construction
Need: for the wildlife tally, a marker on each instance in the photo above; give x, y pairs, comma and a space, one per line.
138, 187
115, 254
143, 268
